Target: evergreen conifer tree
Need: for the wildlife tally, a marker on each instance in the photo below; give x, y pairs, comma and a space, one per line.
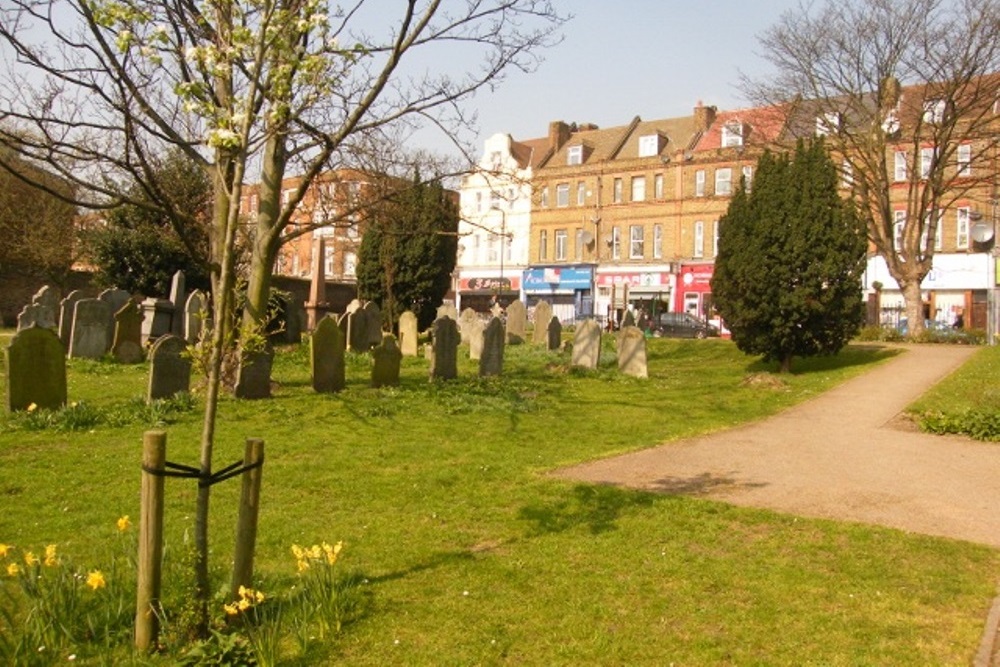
787, 278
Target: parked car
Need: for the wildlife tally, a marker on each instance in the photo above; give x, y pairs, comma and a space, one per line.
682, 325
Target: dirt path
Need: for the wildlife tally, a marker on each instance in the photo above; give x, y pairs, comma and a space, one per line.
838, 456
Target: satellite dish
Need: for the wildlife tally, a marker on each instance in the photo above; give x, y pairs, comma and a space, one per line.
982, 232
587, 238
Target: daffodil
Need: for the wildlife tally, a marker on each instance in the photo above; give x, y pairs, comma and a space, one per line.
231, 609
4, 550
30, 558
124, 523
13, 569
95, 579
243, 604
32, 407
50, 556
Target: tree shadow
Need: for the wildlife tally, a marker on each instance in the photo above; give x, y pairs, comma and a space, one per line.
699, 485
596, 507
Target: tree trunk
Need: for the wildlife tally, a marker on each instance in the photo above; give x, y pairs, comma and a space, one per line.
914, 307
785, 365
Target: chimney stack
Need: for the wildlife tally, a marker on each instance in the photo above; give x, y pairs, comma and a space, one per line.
558, 134
703, 116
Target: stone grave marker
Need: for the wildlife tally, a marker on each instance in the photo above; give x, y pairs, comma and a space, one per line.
491, 361
115, 298
29, 317
408, 336
127, 343
555, 333
157, 315
447, 310
540, 332
496, 310
36, 370
90, 337
178, 295
66, 307
386, 359
465, 321
632, 352
47, 300
353, 306
169, 368
357, 331
628, 320
195, 314
373, 324
476, 331
295, 320
326, 355
444, 340
587, 344
253, 377
517, 322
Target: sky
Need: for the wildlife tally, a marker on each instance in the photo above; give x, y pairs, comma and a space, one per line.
623, 58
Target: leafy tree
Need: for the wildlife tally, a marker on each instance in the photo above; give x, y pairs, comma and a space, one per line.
897, 86
787, 278
408, 252
141, 245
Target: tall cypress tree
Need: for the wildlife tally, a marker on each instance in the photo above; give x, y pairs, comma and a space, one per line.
787, 278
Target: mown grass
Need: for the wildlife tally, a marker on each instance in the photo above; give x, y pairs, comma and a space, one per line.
470, 554
967, 402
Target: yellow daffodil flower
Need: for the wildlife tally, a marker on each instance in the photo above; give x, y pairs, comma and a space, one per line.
50, 556
258, 597
13, 569
124, 524
95, 579
32, 407
4, 550
243, 604
231, 609
30, 559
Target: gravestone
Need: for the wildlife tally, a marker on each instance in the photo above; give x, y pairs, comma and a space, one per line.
90, 337
587, 344
195, 314
66, 307
496, 310
157, 315
476, 330
29, 317
357, 331
47, 300
628, 320
115, 298
295, 321
353, 306
178, 295
447, 310
444, 340
253, 377
326, 355
632, 352
540, 332
408, 334
373, 324
517, 322
169, 368
127, 343
36, 370
343, 323
555, 333
386, 359
465, 321
491, 361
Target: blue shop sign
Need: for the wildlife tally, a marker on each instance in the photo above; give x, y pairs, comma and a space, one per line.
558, 278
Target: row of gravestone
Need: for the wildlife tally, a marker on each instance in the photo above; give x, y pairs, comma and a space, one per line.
515, 319
113, 322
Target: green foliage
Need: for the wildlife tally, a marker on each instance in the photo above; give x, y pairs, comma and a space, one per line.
83, 416
143, 245
408, 252
981, 424
220, 649
791, 252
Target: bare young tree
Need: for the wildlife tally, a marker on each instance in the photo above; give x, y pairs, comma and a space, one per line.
251, 89
905, 92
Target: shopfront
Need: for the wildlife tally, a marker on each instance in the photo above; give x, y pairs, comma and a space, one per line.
694, 290
480, 293
566, 288
647, 291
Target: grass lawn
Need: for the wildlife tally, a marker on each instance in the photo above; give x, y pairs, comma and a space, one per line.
470, 555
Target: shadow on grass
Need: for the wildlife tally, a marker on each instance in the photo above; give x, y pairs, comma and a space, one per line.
853, 355
698, 485
596, 507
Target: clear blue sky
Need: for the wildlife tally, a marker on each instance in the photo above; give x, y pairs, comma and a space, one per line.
622, 58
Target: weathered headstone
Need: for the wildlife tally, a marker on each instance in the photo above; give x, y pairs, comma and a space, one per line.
465, 321
178, 295
517, 322
195, 313
496, 310
127, 343
444, 340
353, 306
540, 332
555, 333
632, 352
47, 300
169, 368
373, 324
587, 344
115, 298
29, 317
295, 321
491, 361
326, 354
447, 310
475, 333
386, 359
408, 334
90, 337
628, 320
36, 370
157, 315
357, 331
253, 377
66, 307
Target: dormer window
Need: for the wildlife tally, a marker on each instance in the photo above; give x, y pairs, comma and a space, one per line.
827, 124
650, 145
934, 111
574, 155
732, 134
